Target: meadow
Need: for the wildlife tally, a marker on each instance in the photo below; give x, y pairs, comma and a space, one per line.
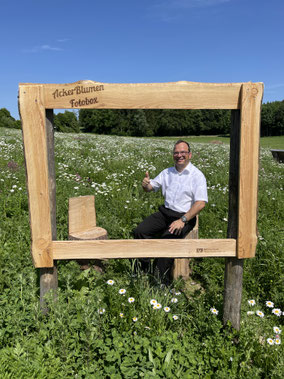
118, 325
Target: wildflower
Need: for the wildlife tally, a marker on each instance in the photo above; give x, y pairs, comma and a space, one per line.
270, 341
121, 315
178, 293
153, 302
101, 311
110, 282
147, 327
259, 313
277, 341
269, 304
277, 330
175, 317
131, 299
214, 311
167, 309
277, 312
174, 300
134, 319
157, 306
76, 188
250, 313
12, 190
122, 291
251, 302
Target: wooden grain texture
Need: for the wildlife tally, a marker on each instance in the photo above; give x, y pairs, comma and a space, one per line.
248, 170
233, 279
48, 276
177, 95
81, 214
181, 266
35, 148
153, 248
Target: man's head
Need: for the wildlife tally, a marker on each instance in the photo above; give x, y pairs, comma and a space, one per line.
181, 154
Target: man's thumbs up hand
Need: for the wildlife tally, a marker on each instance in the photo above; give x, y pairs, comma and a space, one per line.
146, 182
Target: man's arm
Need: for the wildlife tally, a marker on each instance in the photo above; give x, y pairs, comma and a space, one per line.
177, 226
146, 183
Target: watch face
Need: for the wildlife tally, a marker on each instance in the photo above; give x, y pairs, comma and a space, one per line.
183, 219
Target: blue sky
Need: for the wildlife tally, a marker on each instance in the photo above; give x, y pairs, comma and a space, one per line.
131, 41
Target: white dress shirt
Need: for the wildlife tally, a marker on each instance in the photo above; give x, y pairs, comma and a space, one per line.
181, 189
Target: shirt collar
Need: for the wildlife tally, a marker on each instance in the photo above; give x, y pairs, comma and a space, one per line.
186, 170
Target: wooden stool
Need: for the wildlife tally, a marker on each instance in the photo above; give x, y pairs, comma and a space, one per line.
82, 223
181, 265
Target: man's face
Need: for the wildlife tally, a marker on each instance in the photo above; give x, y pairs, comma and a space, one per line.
181, 155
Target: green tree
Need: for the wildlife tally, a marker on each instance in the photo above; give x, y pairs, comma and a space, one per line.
66, 122
7, 121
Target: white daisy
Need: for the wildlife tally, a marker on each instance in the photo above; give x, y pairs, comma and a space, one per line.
251, 302
259, 313
277, 330
214, 311
277, 312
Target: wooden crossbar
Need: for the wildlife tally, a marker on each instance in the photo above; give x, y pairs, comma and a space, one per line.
152, 248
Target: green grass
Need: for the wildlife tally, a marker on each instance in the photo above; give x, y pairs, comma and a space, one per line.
74, 339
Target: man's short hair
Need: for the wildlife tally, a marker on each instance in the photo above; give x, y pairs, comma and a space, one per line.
181, 141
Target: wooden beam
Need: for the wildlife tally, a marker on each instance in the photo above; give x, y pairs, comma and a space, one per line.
48, 276
178, 95
153, 248
248, 168
35, 147
233, 280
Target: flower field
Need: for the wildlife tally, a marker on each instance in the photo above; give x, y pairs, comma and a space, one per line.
118, 325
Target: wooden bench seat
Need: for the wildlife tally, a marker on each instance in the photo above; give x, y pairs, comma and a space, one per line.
83, 226
82, 220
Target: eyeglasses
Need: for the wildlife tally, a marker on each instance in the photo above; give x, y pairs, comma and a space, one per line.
176, 153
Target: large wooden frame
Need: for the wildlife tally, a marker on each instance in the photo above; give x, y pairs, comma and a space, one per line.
36, 100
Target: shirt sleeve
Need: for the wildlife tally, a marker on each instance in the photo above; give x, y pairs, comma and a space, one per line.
200, 189
157, 182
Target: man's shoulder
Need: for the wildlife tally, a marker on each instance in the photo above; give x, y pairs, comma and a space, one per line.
196, 171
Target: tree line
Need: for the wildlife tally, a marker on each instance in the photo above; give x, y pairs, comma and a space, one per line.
155, 122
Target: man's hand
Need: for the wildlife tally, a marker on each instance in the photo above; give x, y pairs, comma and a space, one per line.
176, 227
146, 183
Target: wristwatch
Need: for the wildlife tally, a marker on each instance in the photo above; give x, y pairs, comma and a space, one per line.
184, 219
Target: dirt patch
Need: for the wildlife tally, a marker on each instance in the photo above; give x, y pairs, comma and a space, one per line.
217, 142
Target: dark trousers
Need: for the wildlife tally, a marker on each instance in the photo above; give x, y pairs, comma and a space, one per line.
156, 226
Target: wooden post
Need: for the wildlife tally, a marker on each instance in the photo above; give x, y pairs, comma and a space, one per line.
48, 276
181, 266
233, 266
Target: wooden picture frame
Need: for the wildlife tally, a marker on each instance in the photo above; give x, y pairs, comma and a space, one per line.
35, 103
